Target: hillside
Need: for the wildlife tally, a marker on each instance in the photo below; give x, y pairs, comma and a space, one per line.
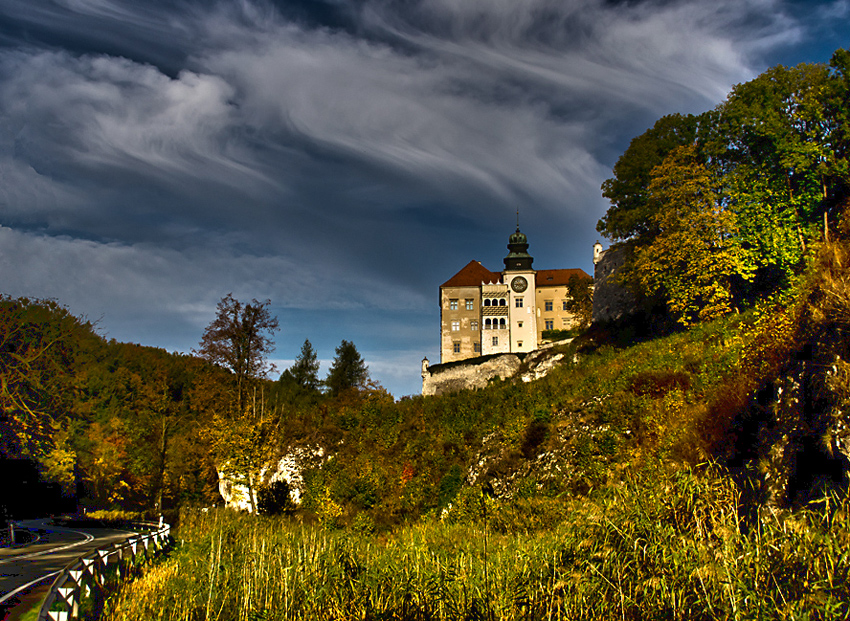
699, 475
691, 461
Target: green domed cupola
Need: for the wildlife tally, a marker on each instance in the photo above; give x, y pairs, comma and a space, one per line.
518, 238
518, 258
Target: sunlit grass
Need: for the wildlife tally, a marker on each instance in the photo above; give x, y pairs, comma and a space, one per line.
665, 545
652, 535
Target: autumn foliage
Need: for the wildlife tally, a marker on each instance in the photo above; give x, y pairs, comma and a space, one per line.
719, 210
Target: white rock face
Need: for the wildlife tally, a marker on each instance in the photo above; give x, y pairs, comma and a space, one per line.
542, 369
235, 494
455, 376
289, 468
445, 378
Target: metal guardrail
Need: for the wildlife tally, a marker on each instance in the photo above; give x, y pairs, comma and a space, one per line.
83, 583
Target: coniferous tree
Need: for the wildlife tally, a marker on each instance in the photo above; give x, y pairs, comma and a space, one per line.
348, 369
305, 371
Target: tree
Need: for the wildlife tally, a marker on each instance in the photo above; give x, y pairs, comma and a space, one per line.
579, 299
696, 255
305, 371
240, 445
630, 214
772, 140
347, 371
40, 354
774, 157
239, 339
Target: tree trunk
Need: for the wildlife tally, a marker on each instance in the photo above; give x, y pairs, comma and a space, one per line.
251, 494
163, 447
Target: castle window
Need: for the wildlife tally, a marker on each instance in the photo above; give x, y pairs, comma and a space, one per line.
548, 305
487, 302
518, 324
473, 325
564, 304
495, 341
519, 343
456, 347
455, 326
519, 302
502, 324
503, 302
477, 348
452, 304
550, 325
487, 325
470, 305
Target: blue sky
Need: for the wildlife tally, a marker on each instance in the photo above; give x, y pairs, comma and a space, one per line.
341, 159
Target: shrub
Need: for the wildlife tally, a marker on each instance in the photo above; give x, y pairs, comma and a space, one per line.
449, 485
535, 434
558, 335
659, 383
275, 499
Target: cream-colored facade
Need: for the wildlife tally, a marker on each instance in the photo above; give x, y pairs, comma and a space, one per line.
484, 312
495, 319
460, 310
552, 296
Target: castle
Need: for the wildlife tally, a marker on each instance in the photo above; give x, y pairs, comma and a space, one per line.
484, 312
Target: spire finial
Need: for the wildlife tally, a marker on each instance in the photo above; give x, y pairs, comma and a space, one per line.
517, 218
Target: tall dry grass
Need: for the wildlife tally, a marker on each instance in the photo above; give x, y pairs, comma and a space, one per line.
664, 545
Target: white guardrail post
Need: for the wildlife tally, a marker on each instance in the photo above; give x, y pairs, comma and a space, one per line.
81, 584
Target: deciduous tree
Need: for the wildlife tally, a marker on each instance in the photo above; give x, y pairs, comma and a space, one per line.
40, 343
773, 141
240, 339
579, 300
630, 214
695, 256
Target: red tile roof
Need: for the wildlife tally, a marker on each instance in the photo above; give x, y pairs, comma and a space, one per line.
472, 275
552, 278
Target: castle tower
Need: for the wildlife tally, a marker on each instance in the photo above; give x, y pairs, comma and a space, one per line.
521, 280
518, 258
598, 253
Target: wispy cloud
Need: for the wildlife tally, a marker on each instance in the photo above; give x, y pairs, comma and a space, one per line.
332, 156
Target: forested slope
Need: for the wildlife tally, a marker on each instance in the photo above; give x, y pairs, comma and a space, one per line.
688, 462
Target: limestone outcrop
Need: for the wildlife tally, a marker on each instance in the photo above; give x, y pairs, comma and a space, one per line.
468, 374
476, 373
288, 468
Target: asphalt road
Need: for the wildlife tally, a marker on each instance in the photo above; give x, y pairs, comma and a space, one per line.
54, 548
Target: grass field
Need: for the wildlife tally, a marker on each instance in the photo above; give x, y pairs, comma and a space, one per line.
665, 545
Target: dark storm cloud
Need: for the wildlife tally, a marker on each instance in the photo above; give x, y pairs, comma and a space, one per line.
344, 156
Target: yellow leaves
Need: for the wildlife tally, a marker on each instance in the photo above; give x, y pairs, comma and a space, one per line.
329, 510
693, 258
59, 464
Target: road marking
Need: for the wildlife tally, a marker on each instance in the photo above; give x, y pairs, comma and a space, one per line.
22, 557
28, 585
